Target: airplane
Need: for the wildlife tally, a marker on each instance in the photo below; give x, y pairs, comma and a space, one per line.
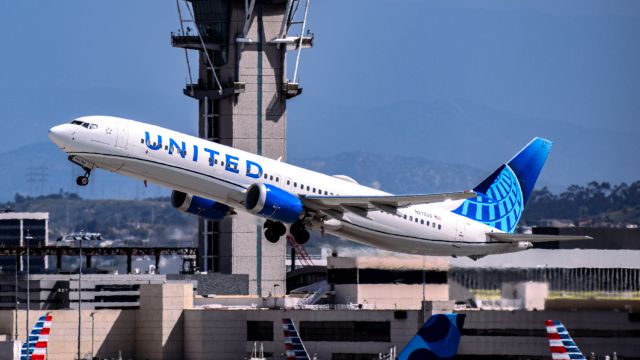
213, 181
35, 348
438, 338
561, 343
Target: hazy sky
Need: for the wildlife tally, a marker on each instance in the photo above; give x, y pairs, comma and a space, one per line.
570, 63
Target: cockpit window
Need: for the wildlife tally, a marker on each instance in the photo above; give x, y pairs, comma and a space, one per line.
84, 124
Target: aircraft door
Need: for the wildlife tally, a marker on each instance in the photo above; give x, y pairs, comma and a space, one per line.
460, 230
122, 139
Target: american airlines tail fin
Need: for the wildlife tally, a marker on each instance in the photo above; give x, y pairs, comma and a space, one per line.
560, 342
437, 339
36, 345
505, 192
295, 349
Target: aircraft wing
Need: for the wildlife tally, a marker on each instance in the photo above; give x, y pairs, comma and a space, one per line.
535, 237
382, 202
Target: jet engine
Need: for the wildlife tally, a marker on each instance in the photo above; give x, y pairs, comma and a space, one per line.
273, 203
204, 208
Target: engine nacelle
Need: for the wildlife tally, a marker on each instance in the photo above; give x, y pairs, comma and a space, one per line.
273, 203
196, 205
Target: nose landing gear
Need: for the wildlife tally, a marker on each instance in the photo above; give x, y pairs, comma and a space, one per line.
86, 166
84, 179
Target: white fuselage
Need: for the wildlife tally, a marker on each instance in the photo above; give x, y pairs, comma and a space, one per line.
223, 174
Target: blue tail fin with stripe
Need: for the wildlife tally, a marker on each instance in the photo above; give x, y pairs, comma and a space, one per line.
437, 339
504, 194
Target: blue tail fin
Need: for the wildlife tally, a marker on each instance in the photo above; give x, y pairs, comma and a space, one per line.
504, 193
437, 339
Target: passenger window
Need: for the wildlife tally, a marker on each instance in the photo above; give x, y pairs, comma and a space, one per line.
302, 186
221, 163
166, 147
405, 216
288, 182
434, 225
427, 223
215, 161
421, 221
141, 141
266, 176
314, 190
325, 192
416, 220
439, 226
295, 184
271, 177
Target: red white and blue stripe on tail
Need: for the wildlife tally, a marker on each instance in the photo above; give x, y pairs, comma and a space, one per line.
36, 346
561, 344
295, 349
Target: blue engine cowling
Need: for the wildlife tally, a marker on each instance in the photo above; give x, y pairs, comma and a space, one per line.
196, 205
273, 203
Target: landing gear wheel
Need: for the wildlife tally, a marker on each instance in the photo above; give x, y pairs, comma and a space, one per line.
271, 235
279, 228
82, 180
302, 237
299, 233
273, 230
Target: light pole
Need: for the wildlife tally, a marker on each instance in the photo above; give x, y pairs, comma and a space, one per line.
92, 331
15, 294
27, 239
80, 291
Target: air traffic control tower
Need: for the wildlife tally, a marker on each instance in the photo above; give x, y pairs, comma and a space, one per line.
242, 91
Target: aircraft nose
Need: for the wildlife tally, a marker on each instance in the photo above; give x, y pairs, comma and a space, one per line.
58, 134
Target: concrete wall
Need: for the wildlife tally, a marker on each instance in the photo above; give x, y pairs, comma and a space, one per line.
392, 296
159, 331
108, 331
222, 334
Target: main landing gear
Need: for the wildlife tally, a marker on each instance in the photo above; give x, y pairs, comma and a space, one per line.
274, 230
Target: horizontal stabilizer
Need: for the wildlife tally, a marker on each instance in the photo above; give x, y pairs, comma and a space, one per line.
535, 237
383, 201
